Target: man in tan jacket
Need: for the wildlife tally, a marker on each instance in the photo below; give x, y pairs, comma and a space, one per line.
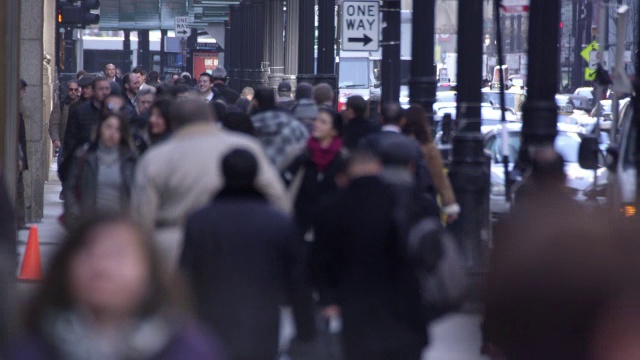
181, 175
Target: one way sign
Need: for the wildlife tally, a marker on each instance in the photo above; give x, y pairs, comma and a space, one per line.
360, 25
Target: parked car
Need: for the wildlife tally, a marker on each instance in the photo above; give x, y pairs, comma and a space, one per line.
567, 144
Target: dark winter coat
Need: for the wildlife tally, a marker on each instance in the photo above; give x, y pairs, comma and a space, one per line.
398, 150
190, 342
317, 189
80, 187
80, 127
355, 130
224, 93
242, 257
358, 264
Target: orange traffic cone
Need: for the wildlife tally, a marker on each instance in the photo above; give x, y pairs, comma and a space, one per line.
31, 268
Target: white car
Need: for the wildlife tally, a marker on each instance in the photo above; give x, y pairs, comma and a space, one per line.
567, 144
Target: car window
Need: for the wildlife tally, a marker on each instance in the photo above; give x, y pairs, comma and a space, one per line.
495, 146
567, 144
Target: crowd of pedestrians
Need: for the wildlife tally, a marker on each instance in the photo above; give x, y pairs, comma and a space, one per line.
259, 199
266, 198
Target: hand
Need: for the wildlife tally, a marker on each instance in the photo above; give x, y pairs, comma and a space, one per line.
451, 218
56, 144
330, 311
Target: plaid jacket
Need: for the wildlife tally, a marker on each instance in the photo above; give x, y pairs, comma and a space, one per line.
281, 135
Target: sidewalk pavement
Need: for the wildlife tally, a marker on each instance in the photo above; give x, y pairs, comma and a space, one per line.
50, 231
454, 337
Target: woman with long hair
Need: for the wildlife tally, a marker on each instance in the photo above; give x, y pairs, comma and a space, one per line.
416, 125
160, 120
106, 296
101, 173
312, 174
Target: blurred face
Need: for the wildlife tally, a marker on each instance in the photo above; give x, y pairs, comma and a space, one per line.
175, 77
144, 103
23, 91
323, 127
157, 123
110, 275
101, 90
204, 84
110, 132
134, 83
73, 90
114, 103
87, 92
110, 71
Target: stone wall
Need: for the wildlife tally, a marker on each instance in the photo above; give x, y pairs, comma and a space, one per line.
33, 104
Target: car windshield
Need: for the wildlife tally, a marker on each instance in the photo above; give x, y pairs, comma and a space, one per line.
490, 96
446, 96
566, 144
354, 73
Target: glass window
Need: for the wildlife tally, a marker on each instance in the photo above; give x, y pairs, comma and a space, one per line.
354, 73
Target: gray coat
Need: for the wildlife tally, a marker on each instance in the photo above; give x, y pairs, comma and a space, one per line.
80, 187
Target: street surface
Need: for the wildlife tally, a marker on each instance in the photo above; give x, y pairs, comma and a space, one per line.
454, 337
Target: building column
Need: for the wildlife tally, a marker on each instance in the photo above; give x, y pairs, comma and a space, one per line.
31, 62
291, 37
306, 37
391, 52
143, 50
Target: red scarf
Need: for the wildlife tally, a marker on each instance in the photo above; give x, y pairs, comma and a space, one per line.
322, 157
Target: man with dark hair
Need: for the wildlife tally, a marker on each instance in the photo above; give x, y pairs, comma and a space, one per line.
285, 100
303, 91
85, 118
220, 88
179, 175
281, 134
356, 125
154, 79
239, 289
131, 83
205, 85
361, 272
60, 115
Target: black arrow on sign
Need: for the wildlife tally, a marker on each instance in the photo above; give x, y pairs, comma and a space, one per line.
365, 40
182, 32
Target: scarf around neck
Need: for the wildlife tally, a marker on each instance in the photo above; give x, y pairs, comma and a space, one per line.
322, 157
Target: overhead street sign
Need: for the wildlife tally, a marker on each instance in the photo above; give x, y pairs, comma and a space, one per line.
360, 25
181, 27
589, 74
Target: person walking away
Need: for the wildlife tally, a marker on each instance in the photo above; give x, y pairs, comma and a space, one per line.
361, 273
106, 296
223, 92
285, 100
357, 126
399, 152
323, 94
243, 259
282, 136
101, 174
416, 126
179, 175
312, 174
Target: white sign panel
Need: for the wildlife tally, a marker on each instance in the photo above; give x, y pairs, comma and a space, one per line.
515, 6
181, 27
360, 25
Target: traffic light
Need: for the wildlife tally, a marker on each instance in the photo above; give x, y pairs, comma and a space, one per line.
89, 18
70, 14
